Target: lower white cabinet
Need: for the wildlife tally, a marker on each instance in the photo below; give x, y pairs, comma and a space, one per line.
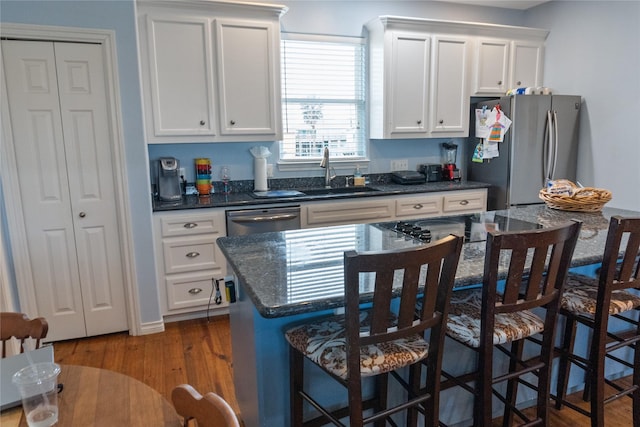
464, 202
389, 208
189, 262
319, 214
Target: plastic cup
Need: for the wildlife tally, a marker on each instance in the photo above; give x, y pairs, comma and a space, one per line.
38, 386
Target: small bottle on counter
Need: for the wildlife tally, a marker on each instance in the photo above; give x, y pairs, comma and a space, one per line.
358, 179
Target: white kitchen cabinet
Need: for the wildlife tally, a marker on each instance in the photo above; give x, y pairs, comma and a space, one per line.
179, 91
526, 64
492, 66
455, 202
248, 77
502, 64
449, 87
423, 71
210, 71
188, 260
390, 208
418, 206
320, 214
400, 99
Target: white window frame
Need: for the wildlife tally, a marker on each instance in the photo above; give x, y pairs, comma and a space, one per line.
337, 163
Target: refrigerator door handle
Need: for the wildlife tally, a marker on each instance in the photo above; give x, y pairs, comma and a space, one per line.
555, 143
548, 150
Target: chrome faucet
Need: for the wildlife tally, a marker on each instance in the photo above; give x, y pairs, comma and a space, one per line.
327, 168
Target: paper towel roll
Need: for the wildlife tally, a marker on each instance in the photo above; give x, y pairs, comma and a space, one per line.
260, 174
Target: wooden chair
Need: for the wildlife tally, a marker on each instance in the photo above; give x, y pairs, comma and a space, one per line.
18, 325
594, 303
343, 345
500, 313
209, 410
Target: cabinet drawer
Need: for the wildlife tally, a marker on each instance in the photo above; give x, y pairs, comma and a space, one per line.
190, 254
471, 201
418, 206
348, 212
191, 290
186, 225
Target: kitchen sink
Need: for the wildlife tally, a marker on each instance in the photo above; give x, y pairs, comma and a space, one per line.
341, 190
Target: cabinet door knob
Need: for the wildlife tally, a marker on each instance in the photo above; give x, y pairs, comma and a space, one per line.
518, 83
419, 122
233, 122
499, 82
195, 291
464, 202
192, 254
202, 122
190, 225
441, 121
82, 214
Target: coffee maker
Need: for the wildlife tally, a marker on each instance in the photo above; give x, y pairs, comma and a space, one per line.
169, 179
450, 171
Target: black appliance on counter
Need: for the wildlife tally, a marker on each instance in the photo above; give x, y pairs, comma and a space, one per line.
432, 172
473, 227
407, 177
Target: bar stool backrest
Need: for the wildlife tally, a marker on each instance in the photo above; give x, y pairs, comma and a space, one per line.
431, 268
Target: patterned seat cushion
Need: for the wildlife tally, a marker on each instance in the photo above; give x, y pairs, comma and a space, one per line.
323, 342
463, 323
580, 294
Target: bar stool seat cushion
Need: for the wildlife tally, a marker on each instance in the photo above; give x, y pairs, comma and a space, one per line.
464, 321
323, 342
580, 295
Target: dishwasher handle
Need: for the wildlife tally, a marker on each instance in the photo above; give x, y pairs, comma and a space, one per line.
270, 218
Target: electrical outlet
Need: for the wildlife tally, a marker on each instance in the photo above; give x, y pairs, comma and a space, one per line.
399, 165
183, 173
269, 170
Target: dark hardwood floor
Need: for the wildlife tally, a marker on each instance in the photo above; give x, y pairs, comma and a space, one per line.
198, 352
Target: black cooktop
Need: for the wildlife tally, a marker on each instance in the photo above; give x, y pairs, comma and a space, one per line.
474, 227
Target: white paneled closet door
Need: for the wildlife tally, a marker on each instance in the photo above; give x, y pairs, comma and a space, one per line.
57, 103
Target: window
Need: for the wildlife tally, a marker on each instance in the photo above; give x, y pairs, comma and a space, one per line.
323, 101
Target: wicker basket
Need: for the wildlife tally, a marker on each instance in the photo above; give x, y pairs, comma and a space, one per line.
587, 199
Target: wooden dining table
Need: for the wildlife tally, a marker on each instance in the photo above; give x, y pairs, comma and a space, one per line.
103, 398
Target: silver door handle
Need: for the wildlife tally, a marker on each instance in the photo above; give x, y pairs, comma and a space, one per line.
195, 291
555, 143
464, 202
192, 254
418, 206
254, 219
190, 225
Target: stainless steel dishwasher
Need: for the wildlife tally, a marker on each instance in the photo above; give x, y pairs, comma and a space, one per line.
250, 221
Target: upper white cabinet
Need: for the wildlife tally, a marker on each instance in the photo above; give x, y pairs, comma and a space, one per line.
527, 61
423, 72
450, 89
210, 71
505, 64
180, 80
492, 66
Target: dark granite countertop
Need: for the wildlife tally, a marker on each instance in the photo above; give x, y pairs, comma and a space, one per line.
241, 194
299, 271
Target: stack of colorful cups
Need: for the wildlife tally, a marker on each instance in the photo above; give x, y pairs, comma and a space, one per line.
203, 176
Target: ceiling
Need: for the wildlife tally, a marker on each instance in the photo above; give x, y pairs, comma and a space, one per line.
507, 4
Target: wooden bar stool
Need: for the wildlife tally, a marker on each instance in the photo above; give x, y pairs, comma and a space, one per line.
500, 313
18, 325
379, 340
593, 303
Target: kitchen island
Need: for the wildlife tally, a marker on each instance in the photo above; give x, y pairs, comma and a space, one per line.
287, 277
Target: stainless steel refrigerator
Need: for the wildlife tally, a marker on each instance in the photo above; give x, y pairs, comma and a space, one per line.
541, 144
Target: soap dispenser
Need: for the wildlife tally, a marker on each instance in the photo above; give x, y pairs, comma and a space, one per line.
358, 179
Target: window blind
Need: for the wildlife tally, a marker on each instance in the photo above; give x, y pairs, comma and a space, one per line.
323, 96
